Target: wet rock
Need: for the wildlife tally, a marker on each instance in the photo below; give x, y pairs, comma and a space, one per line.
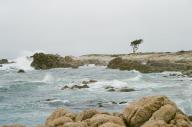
113, 102
123, 102
100, 105
155, 111
111, 90
4, 61
20, 71
1, 65
89, 82
65, 87
75, 87
125, 89
50, 99
79, 87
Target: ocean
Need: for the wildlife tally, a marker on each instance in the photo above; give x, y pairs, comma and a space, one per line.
28, 98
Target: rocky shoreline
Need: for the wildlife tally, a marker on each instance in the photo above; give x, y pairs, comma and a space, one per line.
152, 111
143, 62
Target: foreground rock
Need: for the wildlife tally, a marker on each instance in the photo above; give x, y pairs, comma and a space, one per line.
48, 61
154, 111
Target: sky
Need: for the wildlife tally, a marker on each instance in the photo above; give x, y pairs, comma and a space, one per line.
77, 27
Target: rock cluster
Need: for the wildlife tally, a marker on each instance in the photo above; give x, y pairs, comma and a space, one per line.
153, 111
48, 61
123, 89
83, 85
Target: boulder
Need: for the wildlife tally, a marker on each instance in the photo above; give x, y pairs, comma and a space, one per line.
59, 118
110, 125
155, 111
100, 119
76, 124
86, 114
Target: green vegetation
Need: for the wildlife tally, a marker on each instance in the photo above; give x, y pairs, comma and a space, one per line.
135, 45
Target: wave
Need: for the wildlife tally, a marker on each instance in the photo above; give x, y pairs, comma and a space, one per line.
23, 61
137, 77
104, 84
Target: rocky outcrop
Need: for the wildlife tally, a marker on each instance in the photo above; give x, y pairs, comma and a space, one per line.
21, 71
48, 61
148, 66
82, 85
153, 111
4, 61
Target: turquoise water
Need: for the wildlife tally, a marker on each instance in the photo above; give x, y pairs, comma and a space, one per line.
30, 97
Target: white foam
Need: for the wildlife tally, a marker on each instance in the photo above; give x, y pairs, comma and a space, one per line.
22, 62
137, 77
113, 83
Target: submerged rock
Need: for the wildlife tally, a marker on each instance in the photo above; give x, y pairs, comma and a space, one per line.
75, 87
89, 82
123, 89
20, 71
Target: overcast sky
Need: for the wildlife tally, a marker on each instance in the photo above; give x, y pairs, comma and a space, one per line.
79, 27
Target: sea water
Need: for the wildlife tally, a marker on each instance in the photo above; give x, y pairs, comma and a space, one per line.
28, 98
